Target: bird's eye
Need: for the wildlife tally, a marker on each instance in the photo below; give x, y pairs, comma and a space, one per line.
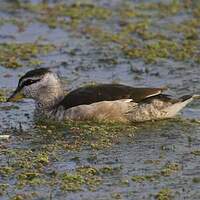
29, 82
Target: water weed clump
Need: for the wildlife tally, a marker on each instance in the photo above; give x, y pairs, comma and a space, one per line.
2, 96
164, 194
13, 55
168, 170
139, 30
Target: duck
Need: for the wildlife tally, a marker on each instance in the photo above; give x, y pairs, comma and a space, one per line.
100, 102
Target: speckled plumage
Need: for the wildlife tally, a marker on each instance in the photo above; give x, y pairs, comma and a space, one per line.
119, 110
104, 102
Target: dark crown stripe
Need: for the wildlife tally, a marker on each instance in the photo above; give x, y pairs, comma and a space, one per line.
36, 72
31, 74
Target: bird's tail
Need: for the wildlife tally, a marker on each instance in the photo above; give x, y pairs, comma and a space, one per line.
187, 97
196, 96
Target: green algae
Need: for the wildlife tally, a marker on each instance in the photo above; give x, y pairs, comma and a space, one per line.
71, 182
196, 180
155, 162
24, 196
137, 39
2, 96
92, 176
110, 170
75, 11
21, 24
189, 28
83, 176
116, 196
27, 167
196, 152
163, 49
155, 46
140, 179
97, 135
3, 188
13, 55
163, 9
168, 170
54, 15
6, 170
164, 194
160, 48
29, 178
33, 168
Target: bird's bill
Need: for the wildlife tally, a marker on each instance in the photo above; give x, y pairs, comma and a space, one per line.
16, 96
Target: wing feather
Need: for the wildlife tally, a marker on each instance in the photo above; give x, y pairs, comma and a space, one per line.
107, 92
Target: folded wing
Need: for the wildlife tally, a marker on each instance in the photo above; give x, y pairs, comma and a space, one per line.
107, 92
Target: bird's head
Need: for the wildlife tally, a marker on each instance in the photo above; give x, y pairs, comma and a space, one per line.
35, 83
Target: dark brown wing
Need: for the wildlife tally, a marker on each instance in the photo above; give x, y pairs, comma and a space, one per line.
107, 92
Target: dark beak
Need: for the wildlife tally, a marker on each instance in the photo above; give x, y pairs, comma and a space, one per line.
16, 95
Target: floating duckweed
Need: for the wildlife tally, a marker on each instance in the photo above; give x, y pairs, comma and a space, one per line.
189, 28
170, 169
140, 179
164, 194
91, 175
35, 62
3, 188
163, 9
196, 180
42, 158
163, 49
126, 12
83, 176
71, 182
107, 37
130, 33
138, 27
196, 152
29, 164
13, 54
54, 15
98, 135
155, 162
2, 96
87, 171
6, 171
196, 11
74, 11
29, 178
18, 197
109, 170
117, 196
21, 24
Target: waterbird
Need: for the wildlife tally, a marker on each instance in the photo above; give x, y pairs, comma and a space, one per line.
100, 102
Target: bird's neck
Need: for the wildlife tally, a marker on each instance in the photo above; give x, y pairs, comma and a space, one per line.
50, 98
